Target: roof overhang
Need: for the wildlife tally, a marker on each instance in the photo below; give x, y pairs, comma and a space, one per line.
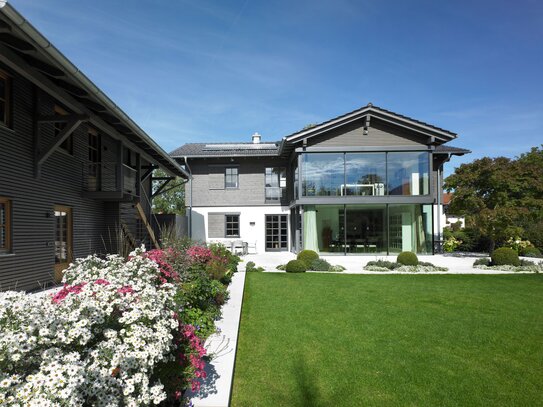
25, 50
440, 135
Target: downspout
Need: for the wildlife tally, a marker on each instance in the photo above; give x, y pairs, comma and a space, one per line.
190, 200
439, 197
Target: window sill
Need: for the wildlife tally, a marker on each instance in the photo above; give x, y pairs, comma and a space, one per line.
2, 255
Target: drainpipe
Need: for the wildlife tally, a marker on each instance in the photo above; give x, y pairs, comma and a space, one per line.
439, 197
190, 201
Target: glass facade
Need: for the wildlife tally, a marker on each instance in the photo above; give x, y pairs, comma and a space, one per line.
408, 173
322, 174
365, 174
377, 229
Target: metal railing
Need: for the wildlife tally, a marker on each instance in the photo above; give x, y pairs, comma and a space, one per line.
275, 194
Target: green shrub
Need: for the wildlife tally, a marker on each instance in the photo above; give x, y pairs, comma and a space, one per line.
336, 268
527, 263
531, 252
250, 267
408, 259
505, 256
307, 256
296, 266
320, 265
281, 267
482, 262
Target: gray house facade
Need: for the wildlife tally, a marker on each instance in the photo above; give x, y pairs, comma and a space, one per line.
75, 171
368, 181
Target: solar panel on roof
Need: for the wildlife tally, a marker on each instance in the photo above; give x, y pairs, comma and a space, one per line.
222, 147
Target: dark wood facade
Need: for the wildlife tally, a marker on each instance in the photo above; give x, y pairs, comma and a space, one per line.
75, 171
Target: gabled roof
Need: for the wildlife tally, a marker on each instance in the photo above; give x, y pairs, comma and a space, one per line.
288, 143
25, 49
377, 112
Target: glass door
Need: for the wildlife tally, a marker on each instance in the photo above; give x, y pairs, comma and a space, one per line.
63, 239
276, 233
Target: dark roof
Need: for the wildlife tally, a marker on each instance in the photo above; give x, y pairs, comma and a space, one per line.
226, 149
370, 108
451, 150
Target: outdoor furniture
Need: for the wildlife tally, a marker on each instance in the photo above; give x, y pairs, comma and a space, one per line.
251, 247
238, 247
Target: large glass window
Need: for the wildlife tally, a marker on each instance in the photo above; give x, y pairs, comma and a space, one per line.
359, 229
408, 173
231, 177
322, 174
365, 174
410, 228
276, 182
5, 225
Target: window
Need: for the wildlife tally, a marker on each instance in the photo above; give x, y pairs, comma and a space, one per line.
68, 144
5, 96
231, 177
5, 225
323, 174
232, 225
63, 237
408, 173
276, 182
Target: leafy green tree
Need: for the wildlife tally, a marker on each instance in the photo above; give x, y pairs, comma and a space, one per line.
500, 197
173, 200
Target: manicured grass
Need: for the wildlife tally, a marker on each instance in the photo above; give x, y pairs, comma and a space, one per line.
397, 340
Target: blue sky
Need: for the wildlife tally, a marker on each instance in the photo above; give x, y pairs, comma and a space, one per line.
198, 70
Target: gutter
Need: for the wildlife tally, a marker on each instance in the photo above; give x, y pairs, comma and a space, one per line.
190, 201
79, 76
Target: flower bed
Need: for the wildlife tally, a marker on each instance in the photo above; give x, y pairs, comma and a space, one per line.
421, 267
117, 333
526, 266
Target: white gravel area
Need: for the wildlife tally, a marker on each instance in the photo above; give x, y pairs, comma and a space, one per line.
354, 263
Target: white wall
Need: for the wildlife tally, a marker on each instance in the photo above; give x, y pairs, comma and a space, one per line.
248, 214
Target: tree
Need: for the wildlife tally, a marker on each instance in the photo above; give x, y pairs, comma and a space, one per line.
501, 197
173, 200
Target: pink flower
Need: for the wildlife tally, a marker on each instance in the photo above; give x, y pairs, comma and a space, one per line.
101, 281
125, 290
67, 289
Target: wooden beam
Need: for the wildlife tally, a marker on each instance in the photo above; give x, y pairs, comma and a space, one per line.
19, 65
161, 187
149, 171
63, 135
143, 218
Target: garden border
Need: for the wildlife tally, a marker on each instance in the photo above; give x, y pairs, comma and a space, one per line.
217, 387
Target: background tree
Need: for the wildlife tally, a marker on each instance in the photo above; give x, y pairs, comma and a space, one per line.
500, 197
173, 200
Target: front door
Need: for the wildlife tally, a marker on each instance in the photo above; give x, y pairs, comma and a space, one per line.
63, 240
276, 233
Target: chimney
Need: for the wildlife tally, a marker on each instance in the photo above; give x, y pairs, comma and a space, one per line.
256, 138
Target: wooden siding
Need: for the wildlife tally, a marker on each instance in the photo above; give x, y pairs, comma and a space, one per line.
379, 134
216, 225
30, 265
208, 188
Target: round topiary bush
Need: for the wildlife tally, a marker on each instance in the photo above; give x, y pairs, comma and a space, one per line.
505, 256
408, 259
295, 266
531, 251
319, 265
307, 256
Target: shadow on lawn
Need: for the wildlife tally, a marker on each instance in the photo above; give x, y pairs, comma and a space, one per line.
308, 390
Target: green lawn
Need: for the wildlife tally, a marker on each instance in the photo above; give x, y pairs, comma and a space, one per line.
394, 340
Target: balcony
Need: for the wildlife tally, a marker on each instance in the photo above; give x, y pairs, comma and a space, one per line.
109, 182
275, 195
